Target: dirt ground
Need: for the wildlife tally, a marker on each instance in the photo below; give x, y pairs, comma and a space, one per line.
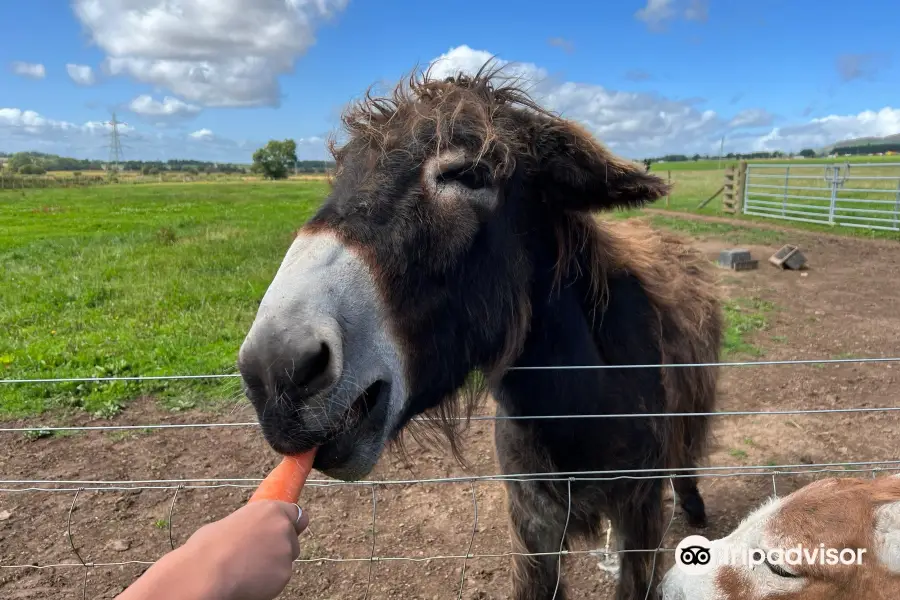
844, 305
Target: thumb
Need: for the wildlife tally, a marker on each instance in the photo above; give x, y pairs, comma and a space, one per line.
301, 522
298, 517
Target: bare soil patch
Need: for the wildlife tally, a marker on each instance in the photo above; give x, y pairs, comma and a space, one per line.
845, 305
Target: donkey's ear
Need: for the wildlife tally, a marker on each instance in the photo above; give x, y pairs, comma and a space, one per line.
577, 173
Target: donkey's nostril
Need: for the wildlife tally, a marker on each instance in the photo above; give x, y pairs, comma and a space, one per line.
293, 364
310, 367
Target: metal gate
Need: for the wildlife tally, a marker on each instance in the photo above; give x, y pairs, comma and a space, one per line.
849, 194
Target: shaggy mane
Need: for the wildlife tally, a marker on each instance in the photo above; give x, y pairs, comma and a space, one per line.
424, 106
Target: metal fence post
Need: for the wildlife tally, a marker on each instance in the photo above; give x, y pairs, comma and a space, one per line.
745, 169
668, 192
787, 181
897, 205
832, 177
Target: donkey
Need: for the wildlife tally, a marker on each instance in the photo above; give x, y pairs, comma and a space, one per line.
457, 239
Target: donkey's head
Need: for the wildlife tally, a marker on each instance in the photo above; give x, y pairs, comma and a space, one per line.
417, 270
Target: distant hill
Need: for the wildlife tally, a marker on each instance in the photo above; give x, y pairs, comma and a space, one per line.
863, 141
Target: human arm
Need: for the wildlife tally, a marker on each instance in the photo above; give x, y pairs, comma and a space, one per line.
248, 555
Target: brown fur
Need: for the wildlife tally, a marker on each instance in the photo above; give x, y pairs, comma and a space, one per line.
568, 175
839, 513
682, 288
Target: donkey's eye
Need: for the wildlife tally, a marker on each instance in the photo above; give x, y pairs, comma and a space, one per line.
778, 570
474, 177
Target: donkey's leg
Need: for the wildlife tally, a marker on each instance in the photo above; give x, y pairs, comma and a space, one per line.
689, 499
537, 526
537, 521
638, 519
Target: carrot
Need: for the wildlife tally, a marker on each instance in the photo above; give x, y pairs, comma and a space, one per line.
287, 479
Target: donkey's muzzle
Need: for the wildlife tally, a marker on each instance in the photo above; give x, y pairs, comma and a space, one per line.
292, 365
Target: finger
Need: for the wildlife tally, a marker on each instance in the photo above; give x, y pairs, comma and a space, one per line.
302, 523
295, 547
292, 511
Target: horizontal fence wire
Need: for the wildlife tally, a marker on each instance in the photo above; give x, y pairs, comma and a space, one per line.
606, 475
325, 559
76, 487
752, 363
734, 413
374, 558
49, 429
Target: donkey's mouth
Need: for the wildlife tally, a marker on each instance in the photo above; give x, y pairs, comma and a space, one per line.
364, 405
361, 431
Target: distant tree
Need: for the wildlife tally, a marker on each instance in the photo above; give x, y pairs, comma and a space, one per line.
32, 169
695, 157
275, 159
20, 160
808, 153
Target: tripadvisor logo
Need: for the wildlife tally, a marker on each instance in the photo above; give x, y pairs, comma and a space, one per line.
695, 556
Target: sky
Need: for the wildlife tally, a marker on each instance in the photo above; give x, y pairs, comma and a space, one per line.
215, 79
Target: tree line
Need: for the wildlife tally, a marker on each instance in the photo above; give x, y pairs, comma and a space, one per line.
729, 156
869, 148
39, 163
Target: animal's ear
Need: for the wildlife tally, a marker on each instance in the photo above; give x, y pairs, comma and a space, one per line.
577, 173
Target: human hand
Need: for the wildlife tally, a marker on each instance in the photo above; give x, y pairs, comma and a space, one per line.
248, 555
250, 552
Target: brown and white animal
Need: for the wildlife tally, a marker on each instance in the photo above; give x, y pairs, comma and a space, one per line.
829, 516
457, 238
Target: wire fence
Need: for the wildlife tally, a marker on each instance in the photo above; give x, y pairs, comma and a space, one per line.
606, 553
865, 195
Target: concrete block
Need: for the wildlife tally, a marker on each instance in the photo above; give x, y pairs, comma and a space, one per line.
788, 257
730, 258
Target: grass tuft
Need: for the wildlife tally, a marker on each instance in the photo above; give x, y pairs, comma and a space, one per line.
744, 317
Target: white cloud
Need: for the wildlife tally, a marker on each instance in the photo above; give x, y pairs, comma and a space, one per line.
30, 70
202, 134
752, 117
631, 123
637, 124
825, 131
656, 13
638, 75
861, 66
81, 74
23, 130
209, 52
29, 121
697, 11
146, 105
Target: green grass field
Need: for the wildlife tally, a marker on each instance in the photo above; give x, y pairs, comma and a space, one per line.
714, 164
127, 280
136, 280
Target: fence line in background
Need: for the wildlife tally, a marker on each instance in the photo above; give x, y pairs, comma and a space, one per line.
604, 554
77, 487
735, 413
818, 193
604, 475
752, 363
